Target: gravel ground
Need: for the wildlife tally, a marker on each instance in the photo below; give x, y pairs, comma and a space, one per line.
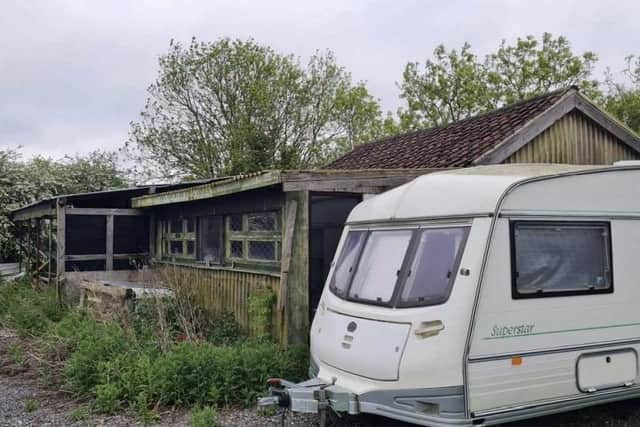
25, 402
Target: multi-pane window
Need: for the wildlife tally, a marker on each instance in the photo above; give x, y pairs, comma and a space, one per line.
560, 258
253, 237
238, 238
178, 238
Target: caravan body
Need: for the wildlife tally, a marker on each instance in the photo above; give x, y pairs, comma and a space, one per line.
482, 295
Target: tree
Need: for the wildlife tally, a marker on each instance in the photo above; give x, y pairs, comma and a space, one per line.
623, 98
531, 67
235, 106
455, 85
451, 87
23, 182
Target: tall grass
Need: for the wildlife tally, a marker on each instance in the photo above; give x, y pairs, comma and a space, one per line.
145, 359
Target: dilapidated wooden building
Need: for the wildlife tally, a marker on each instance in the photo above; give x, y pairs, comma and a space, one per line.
230, 238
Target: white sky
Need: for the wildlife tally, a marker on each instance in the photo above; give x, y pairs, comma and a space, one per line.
73, 74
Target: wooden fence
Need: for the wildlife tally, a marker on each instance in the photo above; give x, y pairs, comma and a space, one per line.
217, 291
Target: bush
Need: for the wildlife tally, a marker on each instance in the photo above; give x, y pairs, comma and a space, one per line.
28, 311
107, 399
96, 345
224, 330
203, 417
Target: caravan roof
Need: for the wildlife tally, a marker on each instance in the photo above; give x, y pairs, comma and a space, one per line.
462, 192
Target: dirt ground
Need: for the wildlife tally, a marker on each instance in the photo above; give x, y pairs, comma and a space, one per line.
26, 400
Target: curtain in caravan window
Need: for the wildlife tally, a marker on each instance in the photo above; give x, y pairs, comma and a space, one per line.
434, 266
346, 263
381, 260
561, 258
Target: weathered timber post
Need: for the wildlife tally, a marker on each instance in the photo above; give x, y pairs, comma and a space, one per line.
49, 253
109, 240
61, 220
296, 299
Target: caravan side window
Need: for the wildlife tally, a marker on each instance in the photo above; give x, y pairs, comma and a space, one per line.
560, 258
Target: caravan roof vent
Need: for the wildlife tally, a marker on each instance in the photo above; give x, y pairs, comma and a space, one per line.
627, 163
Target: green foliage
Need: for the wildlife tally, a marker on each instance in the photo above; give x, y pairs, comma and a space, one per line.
623, 98
457, 84
235, 106
80, 413
261, 312
17, 355
144, 414
121, 364
93, 346
23, 182
224, 330
203, 416
229, 375
107, 399
451, 87
28, 311
531, 67
31, 405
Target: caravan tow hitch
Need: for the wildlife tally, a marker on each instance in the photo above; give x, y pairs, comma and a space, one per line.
312, 396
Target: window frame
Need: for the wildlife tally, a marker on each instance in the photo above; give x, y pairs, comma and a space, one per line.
412, 251
517, 295
245, 236
399, 282
167, 237
409, 256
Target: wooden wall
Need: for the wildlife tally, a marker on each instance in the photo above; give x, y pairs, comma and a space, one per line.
574, 139
219, 290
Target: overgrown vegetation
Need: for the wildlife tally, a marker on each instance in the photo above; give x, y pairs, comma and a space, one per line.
26, 181
123, 364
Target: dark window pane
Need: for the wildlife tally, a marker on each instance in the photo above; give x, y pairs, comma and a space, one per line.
86, 234
347, 261
176, 247
559, 258
262, 222
432, 270
165, 247
130, 234
176, 226
210, 237
377, 273
191, 225
235, 222
262, 250
236, 249
191, 247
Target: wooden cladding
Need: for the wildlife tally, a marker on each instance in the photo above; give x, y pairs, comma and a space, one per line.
219, 291
574, 139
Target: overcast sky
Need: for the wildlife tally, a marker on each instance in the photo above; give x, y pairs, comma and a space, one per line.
73, 74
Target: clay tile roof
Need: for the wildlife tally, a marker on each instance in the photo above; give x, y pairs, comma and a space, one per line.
454, 145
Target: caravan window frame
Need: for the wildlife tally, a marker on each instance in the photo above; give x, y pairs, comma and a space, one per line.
516, 294
406, 263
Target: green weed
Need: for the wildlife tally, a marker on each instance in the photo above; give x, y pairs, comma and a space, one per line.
203, 416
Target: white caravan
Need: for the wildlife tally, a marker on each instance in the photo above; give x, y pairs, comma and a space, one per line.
479, 296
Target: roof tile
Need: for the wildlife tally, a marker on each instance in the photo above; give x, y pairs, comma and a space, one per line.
454, 145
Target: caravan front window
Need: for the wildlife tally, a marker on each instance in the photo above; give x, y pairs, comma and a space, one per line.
347, 262
380, 262
434, 266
